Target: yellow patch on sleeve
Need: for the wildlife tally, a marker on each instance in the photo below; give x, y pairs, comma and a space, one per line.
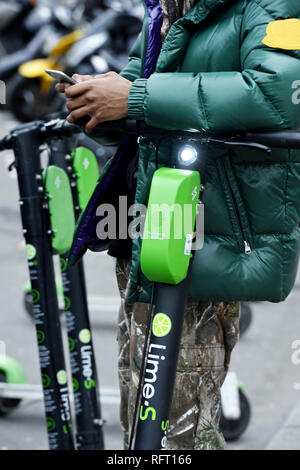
283, 34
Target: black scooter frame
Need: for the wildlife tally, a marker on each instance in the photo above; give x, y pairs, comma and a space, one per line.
26, 141
89, 435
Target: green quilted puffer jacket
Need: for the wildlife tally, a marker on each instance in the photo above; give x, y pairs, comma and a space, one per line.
216, 75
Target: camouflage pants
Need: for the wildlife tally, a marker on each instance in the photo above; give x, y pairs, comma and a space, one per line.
210, 332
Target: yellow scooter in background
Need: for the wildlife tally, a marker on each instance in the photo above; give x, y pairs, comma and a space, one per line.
101, 43
31, 93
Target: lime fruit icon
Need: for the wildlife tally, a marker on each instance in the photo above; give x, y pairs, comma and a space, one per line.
31, 251
85, 336
61, 377
161, 325
51, 424
46, 380
40, 336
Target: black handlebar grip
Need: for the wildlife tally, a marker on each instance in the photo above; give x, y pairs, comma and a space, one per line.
287, 139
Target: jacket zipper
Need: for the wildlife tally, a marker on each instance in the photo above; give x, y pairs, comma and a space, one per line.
247, 247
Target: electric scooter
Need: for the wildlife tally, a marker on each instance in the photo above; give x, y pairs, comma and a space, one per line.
48, 197
177, 185
182, 185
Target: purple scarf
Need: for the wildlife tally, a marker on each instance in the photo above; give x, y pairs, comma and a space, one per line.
155, 21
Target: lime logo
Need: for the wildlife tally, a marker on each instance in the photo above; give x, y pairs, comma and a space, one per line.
63, 264
40, 336
67, 428
144, 416
30, 251
86, 163
57, 182
51, 424
85, 336
195, 192
61, 377
35, 296
89, 384
67, 303
75, 384
161, 325
46, 380
165, 425
71, 344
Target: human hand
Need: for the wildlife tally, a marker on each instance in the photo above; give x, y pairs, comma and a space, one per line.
61, 87
103, 98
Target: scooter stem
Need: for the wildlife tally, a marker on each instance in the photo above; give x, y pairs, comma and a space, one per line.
160, 365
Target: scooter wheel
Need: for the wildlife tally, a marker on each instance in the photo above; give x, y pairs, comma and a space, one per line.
245, 317
7, 405
232, 429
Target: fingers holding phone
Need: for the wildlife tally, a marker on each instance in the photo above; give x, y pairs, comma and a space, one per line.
62, 86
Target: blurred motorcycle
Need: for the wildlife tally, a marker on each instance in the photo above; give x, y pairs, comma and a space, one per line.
98, 47
29, 92
47, 22
106, 44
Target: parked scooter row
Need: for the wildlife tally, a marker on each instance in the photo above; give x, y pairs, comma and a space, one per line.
89, 38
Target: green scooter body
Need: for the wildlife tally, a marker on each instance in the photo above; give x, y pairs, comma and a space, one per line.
61, 209
169, 225
86, 168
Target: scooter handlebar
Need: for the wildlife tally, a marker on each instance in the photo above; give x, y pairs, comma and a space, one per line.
287, 139
58, 128
262, 141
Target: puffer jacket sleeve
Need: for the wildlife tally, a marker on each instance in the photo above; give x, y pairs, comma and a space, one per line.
133, 69
130, 72
260, 96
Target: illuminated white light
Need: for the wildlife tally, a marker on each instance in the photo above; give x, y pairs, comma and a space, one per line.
188, 155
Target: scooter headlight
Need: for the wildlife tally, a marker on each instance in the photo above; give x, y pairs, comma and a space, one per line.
187, 155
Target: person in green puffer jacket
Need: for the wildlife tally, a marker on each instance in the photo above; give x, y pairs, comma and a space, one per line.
215, 73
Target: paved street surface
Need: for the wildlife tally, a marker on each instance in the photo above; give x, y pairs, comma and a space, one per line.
262, 360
